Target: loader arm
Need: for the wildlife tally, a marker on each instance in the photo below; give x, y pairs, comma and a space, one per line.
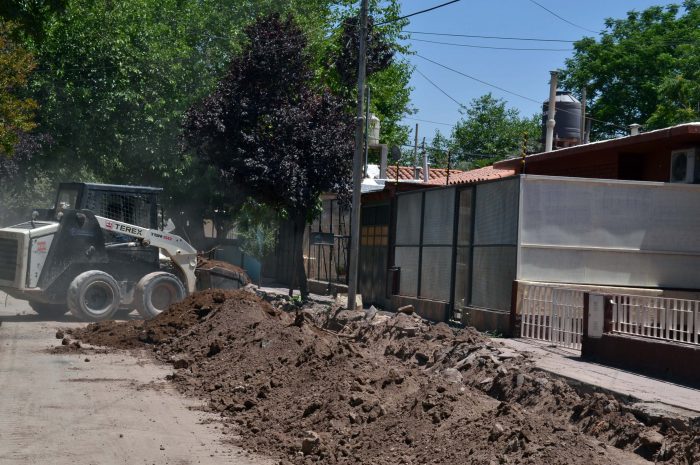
183, 255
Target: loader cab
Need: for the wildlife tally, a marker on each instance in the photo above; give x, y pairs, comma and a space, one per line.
135, 205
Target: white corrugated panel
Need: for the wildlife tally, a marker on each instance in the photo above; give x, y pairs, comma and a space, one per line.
497, 213
435, 273
608, 232
407, 259
408, 217
438, 217
494, 273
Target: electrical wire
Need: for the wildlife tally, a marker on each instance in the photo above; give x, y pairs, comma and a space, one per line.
563, 19
474, 36
511, 92
493, 48
419, 12
440, 89
427, 121
476, 79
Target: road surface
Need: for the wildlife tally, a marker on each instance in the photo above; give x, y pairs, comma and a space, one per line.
112, 409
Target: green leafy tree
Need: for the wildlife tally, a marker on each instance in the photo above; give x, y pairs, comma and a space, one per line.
16, 110
489, 132
643, 69
114, 79
388, 76
272, 133
438, 150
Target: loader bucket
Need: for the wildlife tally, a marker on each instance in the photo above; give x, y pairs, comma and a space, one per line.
214, 274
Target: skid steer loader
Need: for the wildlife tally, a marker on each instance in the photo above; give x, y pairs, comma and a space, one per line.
99, 251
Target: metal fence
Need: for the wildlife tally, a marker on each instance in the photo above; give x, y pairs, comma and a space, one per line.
424, 243
552, 314
657, 317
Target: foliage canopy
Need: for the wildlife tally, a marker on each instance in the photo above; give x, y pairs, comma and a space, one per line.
644, 69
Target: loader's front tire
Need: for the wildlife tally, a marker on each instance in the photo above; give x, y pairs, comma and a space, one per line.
49, 310
155, 292
94, 295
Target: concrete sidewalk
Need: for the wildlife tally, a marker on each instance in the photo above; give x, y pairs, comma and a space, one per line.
653, 396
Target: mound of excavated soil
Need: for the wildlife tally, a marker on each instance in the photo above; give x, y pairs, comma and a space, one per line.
325, 386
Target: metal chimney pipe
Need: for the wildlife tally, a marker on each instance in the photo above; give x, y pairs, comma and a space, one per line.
634, 129
551, 110
583, 116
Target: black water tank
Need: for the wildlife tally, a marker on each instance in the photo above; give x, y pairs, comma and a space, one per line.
567, 116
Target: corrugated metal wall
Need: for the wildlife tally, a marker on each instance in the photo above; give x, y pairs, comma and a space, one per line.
436, 262
495, 244
614, 233
432, 259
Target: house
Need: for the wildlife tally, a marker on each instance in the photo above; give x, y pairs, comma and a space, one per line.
327, 240
600, 215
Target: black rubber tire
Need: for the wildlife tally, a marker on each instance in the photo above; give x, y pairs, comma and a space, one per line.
94, 296
155, 292
49, 310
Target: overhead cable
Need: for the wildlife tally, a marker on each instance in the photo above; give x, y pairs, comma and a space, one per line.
563, 19
511, 92
493, 48
438, 88
419, 12
475, 36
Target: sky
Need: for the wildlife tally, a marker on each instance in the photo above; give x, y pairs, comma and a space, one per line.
519, 71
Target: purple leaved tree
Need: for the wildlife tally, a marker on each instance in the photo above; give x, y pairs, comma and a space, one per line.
270, 130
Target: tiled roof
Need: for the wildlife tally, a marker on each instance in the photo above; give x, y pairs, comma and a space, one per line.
406, 173
481, 174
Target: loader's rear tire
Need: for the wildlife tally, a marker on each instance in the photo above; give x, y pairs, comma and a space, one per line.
155, 292
49, 310
94, 296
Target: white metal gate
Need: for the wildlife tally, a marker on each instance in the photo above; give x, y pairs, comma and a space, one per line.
552, 314
657, 317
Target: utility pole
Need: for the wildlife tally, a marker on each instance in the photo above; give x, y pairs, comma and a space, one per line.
357, 162
551, 111
415, 156
367, 134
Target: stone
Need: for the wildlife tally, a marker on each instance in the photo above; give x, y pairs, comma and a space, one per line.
452, 375
59, 334
496, 431
310, 443
406, 309
182, 362
371, 313
652, 439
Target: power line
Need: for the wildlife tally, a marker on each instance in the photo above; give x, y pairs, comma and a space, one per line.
419, 12
474, 36
494, 48
510, 91
563, 19
440, 89
427, 121
476, 79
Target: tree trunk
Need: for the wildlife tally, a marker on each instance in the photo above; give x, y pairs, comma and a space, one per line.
298, 270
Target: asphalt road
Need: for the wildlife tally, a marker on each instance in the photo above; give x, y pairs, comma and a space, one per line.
113, 409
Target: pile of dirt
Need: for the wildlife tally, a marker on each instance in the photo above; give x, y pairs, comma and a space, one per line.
324, 385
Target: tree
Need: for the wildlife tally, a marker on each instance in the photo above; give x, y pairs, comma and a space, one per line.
271, 132
489, 132
16, 110
438, 150
387, 76
643, 69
